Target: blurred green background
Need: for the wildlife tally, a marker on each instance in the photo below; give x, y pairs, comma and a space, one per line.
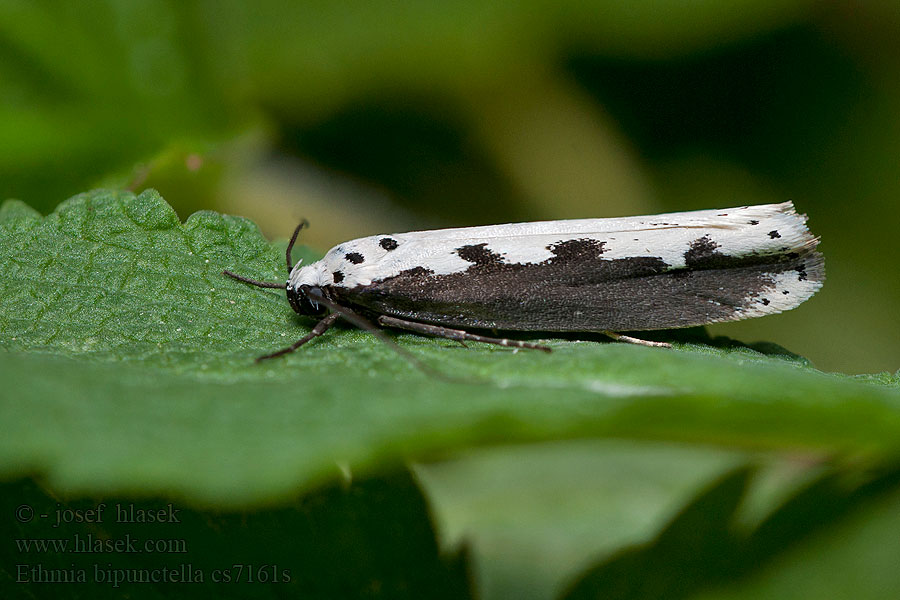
386, 116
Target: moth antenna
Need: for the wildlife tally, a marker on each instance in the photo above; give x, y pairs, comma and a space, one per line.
363, 324
262, 284
290, 246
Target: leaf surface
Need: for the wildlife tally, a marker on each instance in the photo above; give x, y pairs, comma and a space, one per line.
129, 367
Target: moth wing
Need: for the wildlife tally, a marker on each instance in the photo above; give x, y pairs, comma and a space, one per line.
656, 272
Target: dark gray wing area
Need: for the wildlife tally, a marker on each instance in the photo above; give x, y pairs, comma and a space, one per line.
578, 290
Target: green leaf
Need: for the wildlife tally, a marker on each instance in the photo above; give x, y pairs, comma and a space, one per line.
129, 367
115, 84
856, 558
537, 515
695, 545
625, 518
703, 550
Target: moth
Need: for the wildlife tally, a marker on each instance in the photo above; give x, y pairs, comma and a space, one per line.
586, 275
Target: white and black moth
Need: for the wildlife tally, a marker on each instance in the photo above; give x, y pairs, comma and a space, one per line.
586, 275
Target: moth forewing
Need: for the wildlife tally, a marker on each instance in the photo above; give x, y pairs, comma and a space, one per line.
628, 274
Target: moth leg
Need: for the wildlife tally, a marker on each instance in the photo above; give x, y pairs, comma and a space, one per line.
454, 334
320, 328
633, 340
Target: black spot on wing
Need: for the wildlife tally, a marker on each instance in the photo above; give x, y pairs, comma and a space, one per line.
479, 255
337, 276
388, 243
801, 272
774, 234
416, 272
702, 252
575, 250
765, 301
355, 257
754, 222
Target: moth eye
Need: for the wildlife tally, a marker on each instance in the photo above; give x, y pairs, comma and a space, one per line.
338, 276
355, 257
388, 243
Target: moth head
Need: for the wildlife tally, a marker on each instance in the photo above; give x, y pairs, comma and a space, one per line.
300, 301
